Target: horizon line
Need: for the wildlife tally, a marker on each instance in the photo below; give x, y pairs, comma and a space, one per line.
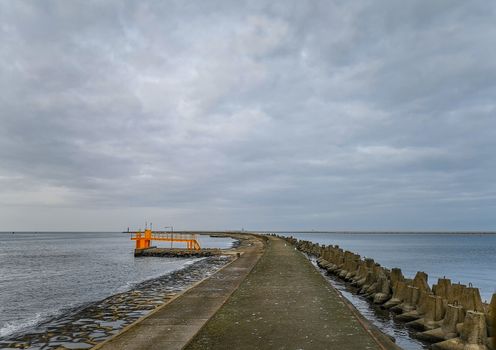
276, 231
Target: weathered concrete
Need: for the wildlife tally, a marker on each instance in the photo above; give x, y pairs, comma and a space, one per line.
491, 323
285, 303
472, 337
491, 317
443, 288
454, 315
433, 313
171, 326
409, 313
399, 295
471, 299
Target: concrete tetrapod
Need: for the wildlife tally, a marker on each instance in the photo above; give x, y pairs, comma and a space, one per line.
343, 265
471, 299
384, 290
349, 266
408, 305
379, 289
454, 315
443, 288
336, 261
399, 295
433, 312
396, 275
415, 312
369, 265
353, 269
370, 289
420, 281
369, 280
473, 335
491, 321
331, 267
321, 262
457, 291
361, 273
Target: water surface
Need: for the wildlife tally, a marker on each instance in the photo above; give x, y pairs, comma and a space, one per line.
45, 274
465, 258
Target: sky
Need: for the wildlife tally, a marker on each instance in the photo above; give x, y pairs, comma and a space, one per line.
262, 115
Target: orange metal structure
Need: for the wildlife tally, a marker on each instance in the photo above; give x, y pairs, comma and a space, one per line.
144, 239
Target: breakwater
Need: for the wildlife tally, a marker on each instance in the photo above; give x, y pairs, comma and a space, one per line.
86, 326
285, 303
179, 253
450, 316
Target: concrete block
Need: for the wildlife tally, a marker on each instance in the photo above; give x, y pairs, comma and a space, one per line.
473, 335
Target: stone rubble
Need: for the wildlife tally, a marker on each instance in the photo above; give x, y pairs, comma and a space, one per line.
87, 326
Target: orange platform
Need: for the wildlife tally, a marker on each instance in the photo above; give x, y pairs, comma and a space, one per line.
144, 239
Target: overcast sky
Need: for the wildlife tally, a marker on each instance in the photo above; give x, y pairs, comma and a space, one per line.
354, 115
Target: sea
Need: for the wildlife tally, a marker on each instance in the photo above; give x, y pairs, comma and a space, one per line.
46, 274
468, 258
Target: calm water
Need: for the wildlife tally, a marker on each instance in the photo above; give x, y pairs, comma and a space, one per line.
464, 258
461, 257
44, 274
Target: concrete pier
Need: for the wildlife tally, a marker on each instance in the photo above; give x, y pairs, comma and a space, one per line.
281, 302
285, 303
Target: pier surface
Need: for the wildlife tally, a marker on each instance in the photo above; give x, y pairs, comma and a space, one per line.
285, 303
281, 302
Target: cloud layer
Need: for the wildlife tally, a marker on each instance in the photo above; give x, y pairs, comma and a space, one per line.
256, 114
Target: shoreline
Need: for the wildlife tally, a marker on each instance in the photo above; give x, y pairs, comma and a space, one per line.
84, 326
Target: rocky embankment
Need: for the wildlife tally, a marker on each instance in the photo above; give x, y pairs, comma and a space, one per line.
94, 323
178, 253
450, 316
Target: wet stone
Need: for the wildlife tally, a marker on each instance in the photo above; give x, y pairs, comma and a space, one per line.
68, 345
60, 338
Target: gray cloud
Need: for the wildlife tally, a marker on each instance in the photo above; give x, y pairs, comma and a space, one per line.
257, 114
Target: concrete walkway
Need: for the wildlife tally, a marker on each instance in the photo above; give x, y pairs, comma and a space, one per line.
174, 324
284, 303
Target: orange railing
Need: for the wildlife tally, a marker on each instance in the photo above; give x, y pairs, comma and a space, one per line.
144, 239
